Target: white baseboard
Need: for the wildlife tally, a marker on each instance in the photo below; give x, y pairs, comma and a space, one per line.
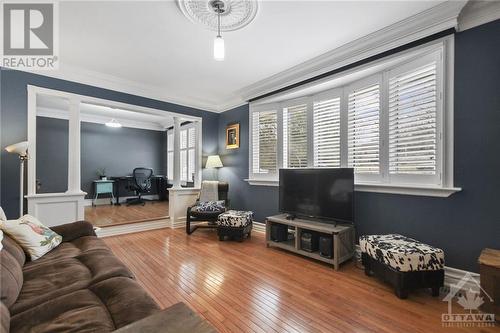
452, 276
105, 201
132, 227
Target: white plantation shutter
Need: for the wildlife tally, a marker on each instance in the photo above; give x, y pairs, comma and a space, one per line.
184, 165
363, 129
187, 153
170, 165
264, 142
184, 140
170, 155
191, 152
412, 121
326, 133
295, 136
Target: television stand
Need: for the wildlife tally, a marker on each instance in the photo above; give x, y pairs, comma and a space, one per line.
342, 235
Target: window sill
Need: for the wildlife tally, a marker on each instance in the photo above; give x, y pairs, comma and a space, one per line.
440, 192
262, 182
427, 191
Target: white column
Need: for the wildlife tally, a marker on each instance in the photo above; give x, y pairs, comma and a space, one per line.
177, 153
74, 165
31, 188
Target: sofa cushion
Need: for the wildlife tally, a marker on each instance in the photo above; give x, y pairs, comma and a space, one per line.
61, 276
14, 249
4, 318
11, 278
80, 311
125, 300
71, 249
107, 305
34, 237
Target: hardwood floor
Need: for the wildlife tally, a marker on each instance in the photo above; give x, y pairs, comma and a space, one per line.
110, 215
246, 287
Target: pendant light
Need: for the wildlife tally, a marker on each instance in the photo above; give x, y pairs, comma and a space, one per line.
219, 50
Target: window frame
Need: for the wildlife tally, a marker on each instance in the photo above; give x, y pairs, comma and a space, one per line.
347, 90
270, 176
186, 128
435, 179
321, 97
442, 185
288, 104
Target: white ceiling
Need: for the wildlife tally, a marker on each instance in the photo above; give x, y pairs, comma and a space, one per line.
151, 45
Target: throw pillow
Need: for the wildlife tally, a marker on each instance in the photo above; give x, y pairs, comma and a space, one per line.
2, 215
35, 238
210, 206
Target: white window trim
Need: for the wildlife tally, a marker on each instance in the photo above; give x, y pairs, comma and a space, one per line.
186, 128
382, 184
279, 116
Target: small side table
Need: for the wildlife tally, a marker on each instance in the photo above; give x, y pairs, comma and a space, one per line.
489, 270
103, 187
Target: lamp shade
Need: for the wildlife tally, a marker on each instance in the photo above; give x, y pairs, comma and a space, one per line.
213, 161
19, 148
219, 48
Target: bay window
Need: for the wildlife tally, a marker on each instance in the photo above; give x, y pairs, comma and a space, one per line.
388, 125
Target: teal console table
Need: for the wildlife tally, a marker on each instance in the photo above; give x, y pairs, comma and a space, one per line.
103, 187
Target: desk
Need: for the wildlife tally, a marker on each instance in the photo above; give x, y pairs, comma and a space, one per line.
103, 187
161, 185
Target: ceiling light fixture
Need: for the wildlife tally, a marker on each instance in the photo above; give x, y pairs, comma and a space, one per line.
113, 123
219, 50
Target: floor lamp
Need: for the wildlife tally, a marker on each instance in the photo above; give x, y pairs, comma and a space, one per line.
21, 149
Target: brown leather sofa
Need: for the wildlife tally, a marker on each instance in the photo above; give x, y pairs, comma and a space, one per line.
80, 286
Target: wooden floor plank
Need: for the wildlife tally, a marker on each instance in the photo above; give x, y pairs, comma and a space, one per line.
247, 287
111, 215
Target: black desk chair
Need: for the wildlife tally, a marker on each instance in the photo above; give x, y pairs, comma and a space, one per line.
141, 185
194, 214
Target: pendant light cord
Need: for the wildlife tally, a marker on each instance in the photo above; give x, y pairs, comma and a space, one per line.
218, 21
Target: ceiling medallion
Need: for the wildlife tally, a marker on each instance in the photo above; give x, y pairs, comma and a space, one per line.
235, 14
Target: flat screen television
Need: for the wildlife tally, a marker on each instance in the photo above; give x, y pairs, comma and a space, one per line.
326, 193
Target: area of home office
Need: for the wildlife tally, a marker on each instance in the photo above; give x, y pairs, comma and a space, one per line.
126, 157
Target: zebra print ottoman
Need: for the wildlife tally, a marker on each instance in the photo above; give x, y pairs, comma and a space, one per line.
404, 262
235, 224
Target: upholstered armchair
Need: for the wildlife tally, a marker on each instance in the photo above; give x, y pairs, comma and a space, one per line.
207, 211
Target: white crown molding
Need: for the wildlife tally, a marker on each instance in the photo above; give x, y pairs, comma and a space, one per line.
426, 23
106, 81
433, 20
477, 13
62, 114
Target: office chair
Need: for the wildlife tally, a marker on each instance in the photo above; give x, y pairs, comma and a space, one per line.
141, 185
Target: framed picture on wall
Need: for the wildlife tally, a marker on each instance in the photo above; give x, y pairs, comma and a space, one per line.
233, 136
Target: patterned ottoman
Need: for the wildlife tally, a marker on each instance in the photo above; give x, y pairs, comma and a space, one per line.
235, 224
404, 262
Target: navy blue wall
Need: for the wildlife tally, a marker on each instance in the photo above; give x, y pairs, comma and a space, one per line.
462, 224
13, 122
118, 150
